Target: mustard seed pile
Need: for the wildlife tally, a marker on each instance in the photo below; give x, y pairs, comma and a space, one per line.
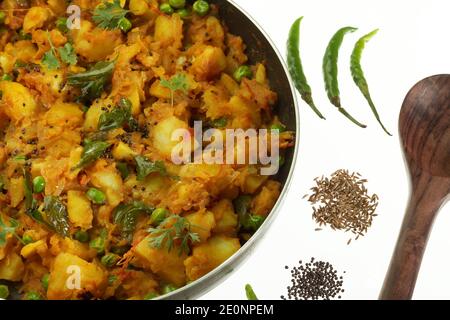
315, 280
342, 202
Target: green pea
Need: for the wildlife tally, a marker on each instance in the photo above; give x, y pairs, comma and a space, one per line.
61, 24
27, 239
6, 77
2, 17
110, 260
44, 280
32, 295
158, 215
242, 72
4, 291
125, 24
166, 8
183, 13
38, 184
150, 296
96, 196
201, 7
111, 279
278, 126
177, 4
168, 288
98, 244
82, 236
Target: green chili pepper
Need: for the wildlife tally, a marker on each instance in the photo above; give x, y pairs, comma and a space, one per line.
250, 293
358, 74
295, 66
330, 71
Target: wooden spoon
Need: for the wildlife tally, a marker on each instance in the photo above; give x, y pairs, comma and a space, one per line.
425, 133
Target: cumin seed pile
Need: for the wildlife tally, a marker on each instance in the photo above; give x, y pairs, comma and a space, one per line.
342, 202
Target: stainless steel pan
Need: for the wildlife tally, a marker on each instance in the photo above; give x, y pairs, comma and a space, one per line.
259, 48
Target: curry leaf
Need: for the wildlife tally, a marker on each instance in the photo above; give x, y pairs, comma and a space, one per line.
144, 167
57, 216
116, 118
91, 152
67, 54
108, 15
125, 215
93, 81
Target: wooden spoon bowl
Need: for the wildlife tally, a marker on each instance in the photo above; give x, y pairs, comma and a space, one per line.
425, 132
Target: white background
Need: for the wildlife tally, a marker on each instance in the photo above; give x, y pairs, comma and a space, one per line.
413, 42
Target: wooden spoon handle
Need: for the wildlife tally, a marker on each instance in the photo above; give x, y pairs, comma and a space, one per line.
428, 195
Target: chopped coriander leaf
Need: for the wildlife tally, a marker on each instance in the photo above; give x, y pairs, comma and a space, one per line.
67, 54
109, 15
61, 24
169, 231
178, 82
49, 59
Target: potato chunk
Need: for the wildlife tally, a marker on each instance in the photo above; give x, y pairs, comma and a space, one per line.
169, 30
109, 181
209, 64
226, 219
18, 103
201, 223
64, 115
79, 209
265, 200
210, 255
35, 18
92, 278
162, 135
12, 267
166, 264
